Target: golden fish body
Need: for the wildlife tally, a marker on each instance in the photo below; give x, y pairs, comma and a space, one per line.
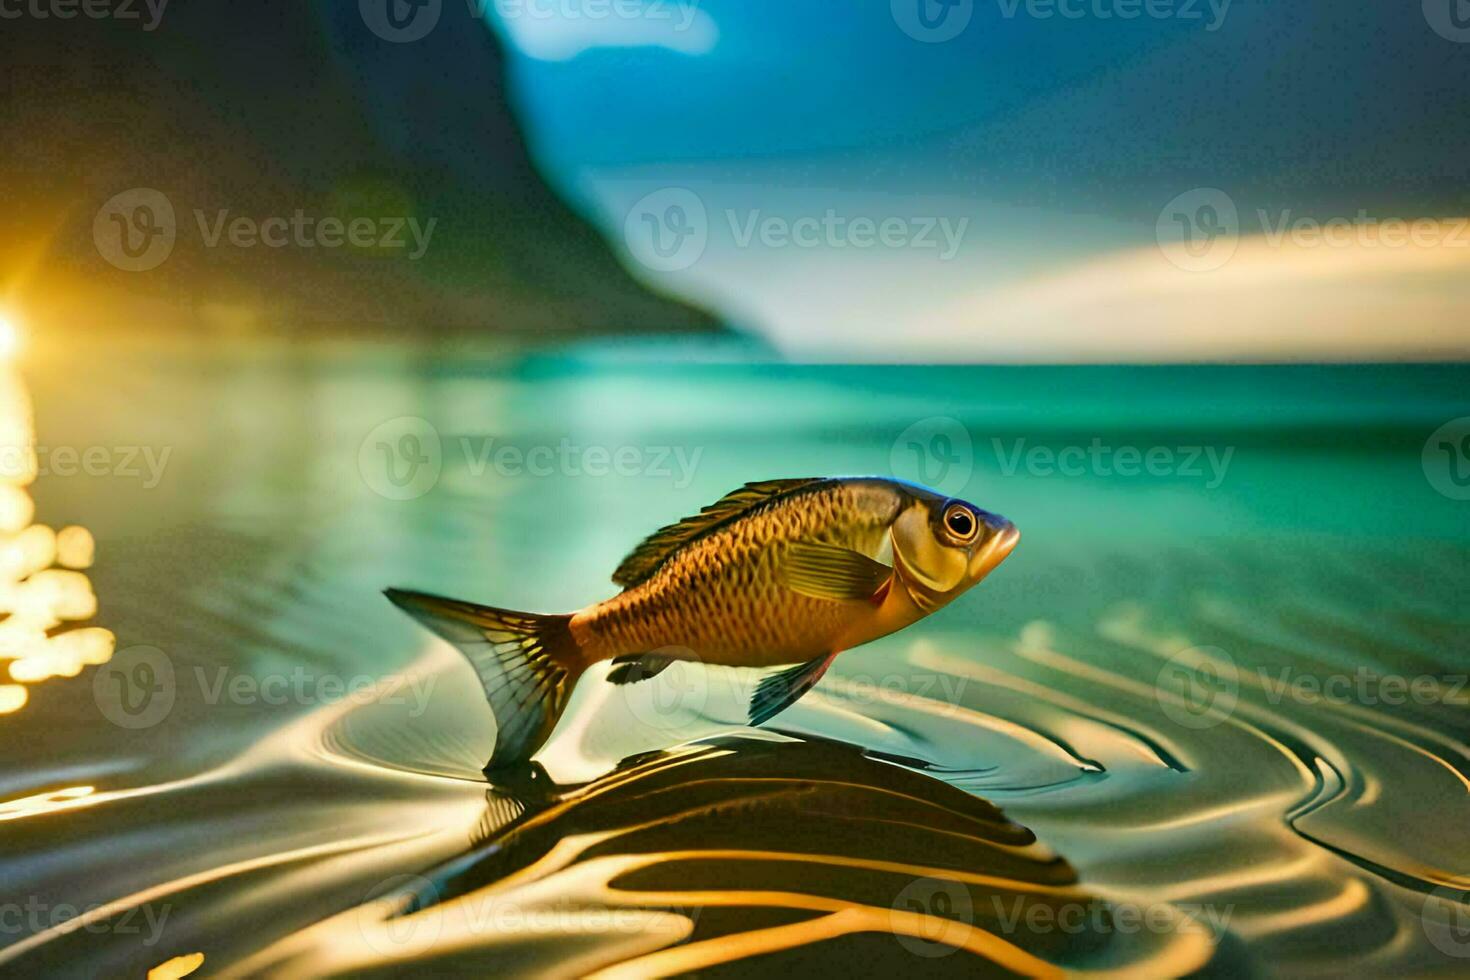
722, 598
781, 572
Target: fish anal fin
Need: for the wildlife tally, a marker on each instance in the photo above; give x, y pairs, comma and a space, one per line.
824, 571
637, 667
644, 560
780, 691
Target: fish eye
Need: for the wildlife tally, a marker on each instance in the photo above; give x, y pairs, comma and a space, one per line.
960, 522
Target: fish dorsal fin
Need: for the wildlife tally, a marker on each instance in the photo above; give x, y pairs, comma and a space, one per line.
658, 546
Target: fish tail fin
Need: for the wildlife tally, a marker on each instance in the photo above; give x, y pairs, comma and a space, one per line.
527, 662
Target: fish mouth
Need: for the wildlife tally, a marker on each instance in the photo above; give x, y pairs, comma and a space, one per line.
997, 547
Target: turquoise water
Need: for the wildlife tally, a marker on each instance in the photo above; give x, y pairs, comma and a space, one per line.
1222, 677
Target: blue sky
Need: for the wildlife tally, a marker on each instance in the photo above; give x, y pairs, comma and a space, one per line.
1053, 138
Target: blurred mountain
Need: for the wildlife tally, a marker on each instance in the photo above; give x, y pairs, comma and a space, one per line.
261, 125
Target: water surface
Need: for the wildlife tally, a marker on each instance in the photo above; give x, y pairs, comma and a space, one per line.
1210, 717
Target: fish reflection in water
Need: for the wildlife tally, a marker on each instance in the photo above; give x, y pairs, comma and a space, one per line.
804, 853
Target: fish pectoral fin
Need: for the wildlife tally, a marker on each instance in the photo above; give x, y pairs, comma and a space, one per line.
780, 691
637, 667
825, 571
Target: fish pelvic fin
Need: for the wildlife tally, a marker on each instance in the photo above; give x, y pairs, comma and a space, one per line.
635, 667
780, 691
528, 664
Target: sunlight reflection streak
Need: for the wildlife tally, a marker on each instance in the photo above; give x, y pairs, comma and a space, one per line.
36, 598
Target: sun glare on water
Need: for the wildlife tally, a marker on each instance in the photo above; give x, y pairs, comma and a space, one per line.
42, 587
9, 335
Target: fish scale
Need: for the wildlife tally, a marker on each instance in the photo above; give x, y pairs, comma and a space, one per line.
721, 597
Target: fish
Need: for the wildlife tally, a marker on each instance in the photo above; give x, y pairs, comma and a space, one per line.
778, 573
